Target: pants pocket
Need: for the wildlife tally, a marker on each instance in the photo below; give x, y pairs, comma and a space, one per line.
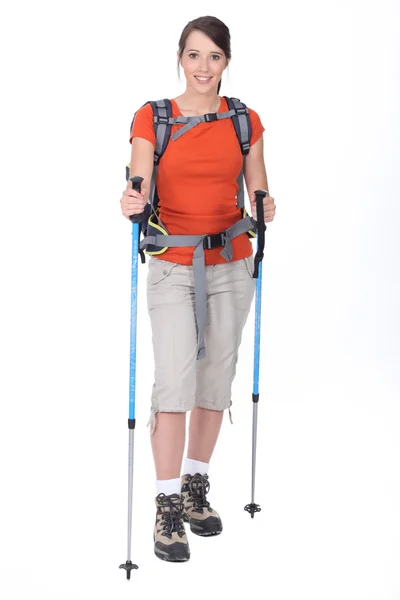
249, 262
159, 270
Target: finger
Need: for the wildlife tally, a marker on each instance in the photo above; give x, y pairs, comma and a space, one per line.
134, 193
133, 212
133, 206
142, 191
132, 200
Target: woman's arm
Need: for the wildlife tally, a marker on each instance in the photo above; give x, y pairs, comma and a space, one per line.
254, 170
142, 160
255, 176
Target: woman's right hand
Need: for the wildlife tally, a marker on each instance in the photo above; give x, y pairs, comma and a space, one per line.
132, 202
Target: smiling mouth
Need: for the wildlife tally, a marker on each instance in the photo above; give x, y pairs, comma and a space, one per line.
203, 79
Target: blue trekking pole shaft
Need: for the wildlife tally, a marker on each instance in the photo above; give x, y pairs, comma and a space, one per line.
261, 227
257, 334
136, 183
136, 219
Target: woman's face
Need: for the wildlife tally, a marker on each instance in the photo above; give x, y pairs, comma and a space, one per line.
202, 58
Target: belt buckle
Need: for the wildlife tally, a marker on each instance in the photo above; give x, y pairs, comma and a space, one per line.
207, 242
210, 242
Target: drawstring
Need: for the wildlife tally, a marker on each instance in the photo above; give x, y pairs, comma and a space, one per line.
230, 414
152, 420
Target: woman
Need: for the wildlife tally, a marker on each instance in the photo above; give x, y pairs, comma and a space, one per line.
197, 187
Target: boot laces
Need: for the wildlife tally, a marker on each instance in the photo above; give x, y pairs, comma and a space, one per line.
171, 514
199, 486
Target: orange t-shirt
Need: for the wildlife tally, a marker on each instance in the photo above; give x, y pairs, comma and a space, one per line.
197, 181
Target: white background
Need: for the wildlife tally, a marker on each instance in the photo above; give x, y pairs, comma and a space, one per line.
323, 77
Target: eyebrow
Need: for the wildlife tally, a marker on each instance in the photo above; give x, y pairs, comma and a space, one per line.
212, 52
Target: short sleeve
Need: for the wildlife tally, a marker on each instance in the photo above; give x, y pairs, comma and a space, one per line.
257, 127
143, 125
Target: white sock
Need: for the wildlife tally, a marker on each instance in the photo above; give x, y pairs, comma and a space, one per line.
192, 467
169, 486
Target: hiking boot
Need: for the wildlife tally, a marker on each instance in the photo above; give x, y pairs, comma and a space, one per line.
170, 541
203, 519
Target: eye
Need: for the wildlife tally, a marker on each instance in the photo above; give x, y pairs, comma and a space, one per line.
215, 56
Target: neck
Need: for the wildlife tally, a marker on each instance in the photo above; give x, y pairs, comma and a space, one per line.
208, 103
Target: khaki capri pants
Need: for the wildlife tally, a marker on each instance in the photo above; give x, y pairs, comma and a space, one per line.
180, 380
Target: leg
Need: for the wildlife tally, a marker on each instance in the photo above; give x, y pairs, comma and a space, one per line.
170, 298
168, 443
204, 429
231, 291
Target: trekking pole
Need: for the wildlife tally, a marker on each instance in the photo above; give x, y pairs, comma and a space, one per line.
136, 219
261, 227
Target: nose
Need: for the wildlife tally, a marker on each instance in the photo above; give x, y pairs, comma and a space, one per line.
203, 66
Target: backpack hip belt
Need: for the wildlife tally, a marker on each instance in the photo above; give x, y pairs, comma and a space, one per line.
201, 242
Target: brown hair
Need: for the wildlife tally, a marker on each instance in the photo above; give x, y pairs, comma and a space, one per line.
215, 29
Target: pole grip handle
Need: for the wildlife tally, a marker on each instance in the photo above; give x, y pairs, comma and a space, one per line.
261, 227
260, 195
136, 185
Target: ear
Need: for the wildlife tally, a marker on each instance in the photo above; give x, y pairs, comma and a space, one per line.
228, 61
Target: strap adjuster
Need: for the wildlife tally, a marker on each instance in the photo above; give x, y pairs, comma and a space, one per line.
210, 117
214, 241
161, 120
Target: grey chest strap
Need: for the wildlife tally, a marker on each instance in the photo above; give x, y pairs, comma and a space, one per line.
193, 121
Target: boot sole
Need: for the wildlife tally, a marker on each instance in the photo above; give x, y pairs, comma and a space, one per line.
168, 559
209, 534
201, 534
179, 560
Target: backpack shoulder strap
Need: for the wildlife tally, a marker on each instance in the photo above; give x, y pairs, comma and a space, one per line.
162, 111
241, 122
242, 125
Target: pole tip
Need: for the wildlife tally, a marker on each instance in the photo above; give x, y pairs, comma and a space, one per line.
128, 566
252, 508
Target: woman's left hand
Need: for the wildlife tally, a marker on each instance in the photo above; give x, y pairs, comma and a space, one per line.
269, 207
